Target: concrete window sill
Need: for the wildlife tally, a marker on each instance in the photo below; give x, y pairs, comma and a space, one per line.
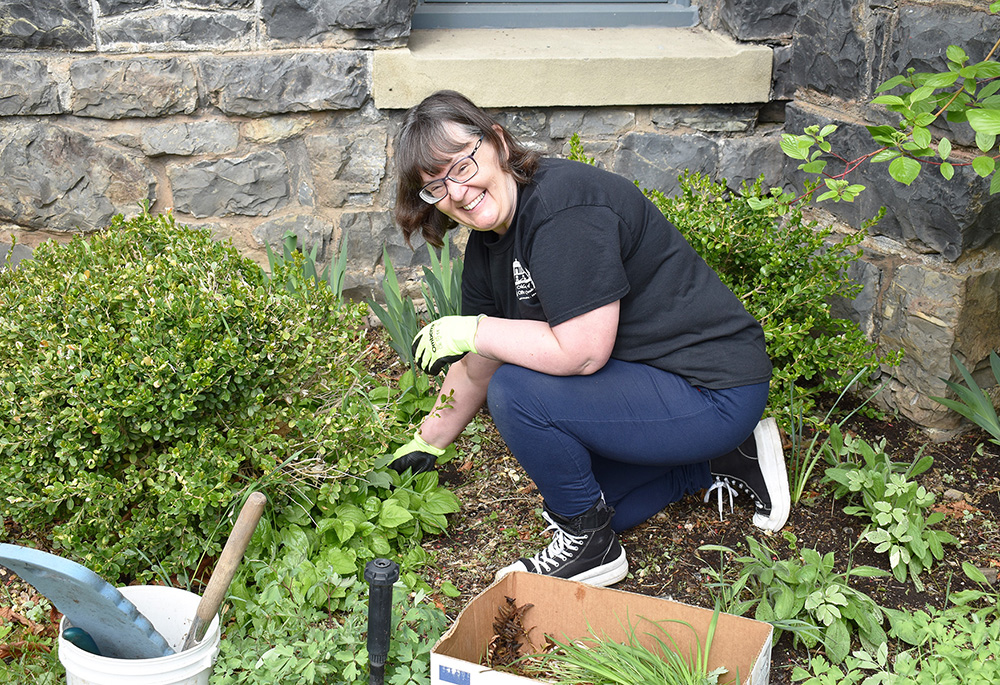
573, 67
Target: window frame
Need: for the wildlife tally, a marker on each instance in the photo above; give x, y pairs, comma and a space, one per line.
517, 14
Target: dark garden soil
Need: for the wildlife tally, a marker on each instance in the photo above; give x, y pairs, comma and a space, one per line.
500, 520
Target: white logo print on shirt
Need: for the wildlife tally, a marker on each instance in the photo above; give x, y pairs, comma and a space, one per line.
524, 287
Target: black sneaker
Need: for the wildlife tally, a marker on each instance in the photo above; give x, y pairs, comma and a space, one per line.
583, 548
756, 468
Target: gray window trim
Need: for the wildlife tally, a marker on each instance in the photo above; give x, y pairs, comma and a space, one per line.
510, 14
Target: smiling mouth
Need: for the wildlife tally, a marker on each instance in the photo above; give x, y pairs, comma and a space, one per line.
475, 203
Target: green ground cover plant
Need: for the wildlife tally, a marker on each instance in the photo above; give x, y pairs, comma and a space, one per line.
896, 506
952, 647
956, 645
803, 588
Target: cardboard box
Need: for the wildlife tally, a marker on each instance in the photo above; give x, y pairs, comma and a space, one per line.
570, 610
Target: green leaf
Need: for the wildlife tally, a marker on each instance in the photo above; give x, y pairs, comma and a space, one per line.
883, 134
343, 529
922, 137
947, 170
837, 641
868, 572
942, 80
885, 156
393, 515
985, 141
852, 192
449, 589
985, 70
944, 148
891, 83
796, 147
983, 165
814, 167
904, 169
341, 560
984, 120
916, 150
956, 54
974, 573
784, 605
921, 93
295, 541
442, 502
888, 100
987, 91
995, 184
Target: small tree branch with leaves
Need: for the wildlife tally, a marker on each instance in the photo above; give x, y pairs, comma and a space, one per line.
966, 93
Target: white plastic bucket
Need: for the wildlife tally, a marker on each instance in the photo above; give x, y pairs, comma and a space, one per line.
171, 611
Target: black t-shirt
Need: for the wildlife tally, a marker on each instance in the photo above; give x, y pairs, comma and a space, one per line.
582, 238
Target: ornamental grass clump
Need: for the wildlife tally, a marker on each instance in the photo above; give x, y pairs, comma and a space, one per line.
602, 661
149, 376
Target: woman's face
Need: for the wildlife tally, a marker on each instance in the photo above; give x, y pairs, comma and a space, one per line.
488, 200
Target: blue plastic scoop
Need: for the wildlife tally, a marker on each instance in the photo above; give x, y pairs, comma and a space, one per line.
88, 602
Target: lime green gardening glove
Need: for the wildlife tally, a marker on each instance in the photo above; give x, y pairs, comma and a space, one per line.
417, 454
444, 341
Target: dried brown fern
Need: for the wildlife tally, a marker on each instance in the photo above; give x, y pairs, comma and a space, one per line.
508, 632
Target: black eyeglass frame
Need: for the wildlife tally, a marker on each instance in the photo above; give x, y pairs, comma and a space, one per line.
425, 194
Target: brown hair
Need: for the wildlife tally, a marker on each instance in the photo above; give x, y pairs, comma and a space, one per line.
424, 146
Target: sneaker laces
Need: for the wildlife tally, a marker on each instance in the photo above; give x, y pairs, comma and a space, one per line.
720, 486
561, 548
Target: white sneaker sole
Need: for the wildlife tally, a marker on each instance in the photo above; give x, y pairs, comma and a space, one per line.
772, 464
607, 574
601, 576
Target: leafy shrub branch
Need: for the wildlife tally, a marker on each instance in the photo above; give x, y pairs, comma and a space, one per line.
787, 271
965, 93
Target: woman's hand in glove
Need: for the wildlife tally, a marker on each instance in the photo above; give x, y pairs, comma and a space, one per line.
444, 341
417, 454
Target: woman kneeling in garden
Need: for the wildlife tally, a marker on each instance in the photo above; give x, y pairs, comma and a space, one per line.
618, 368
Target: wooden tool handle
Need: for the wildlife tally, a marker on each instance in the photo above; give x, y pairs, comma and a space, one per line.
230, 559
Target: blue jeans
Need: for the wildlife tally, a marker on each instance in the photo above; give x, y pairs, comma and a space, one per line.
637, 435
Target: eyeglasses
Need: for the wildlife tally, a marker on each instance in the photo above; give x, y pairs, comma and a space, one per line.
461, 171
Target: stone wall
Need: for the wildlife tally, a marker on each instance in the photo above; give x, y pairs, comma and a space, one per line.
255, 117
251, 117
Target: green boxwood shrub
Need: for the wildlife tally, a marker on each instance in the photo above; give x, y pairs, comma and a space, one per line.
787, 272
150, 376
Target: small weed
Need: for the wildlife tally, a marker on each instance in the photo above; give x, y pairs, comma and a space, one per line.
802, 591
897, 508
